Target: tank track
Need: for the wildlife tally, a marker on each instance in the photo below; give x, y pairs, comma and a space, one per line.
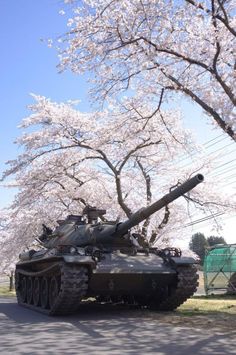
186, 286
71, 288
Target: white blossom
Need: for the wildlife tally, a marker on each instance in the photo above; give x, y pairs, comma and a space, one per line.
146, 46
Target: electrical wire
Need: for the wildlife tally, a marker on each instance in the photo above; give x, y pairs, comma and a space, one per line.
184, 156
207, 223
200, 220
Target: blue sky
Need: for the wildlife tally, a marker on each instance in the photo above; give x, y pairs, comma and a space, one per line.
27, 66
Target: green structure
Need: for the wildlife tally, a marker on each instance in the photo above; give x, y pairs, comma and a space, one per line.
220, 268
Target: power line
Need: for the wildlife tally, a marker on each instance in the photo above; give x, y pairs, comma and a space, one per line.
183, 157
220, 166
225, 171
204, 219
221, 140
229, 177
209, 154
213, 139
208, 223
231, 183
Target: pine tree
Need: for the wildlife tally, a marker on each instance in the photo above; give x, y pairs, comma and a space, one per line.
213, 240
198, 245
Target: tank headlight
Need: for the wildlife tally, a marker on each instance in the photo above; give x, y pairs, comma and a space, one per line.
73, 250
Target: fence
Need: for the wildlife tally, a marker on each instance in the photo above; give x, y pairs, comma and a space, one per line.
220, 268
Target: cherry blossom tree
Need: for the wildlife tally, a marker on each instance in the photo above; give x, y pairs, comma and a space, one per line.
162, 49
8, 253
120, 159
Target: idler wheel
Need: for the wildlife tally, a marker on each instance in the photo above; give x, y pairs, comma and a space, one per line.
36, 291
44, 293
29, 296
53, 291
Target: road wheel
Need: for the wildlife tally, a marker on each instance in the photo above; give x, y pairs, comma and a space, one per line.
36, 291
29, 296
44, 293
23, 289
53, 291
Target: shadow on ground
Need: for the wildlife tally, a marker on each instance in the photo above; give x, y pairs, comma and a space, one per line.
102, 330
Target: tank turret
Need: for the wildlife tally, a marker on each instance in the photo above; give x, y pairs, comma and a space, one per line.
75, 231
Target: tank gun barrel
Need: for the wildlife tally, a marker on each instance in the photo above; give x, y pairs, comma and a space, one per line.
146, 212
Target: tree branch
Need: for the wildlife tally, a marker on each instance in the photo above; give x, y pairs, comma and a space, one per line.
208, 11
204, 105
148, 195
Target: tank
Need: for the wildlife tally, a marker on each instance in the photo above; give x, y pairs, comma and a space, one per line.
86, 257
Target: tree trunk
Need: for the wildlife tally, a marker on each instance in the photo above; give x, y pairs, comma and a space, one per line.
11, 285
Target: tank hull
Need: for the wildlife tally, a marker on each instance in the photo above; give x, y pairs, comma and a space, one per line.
58, 284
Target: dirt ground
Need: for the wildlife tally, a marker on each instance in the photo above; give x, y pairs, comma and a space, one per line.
218, 313
217, 321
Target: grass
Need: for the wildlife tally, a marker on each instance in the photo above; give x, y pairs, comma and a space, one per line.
202, 312
209, 305
216, 311
4, 291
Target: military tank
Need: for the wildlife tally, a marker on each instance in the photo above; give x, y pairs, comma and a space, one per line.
85, 257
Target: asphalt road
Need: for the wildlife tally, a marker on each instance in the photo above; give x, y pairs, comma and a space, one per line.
103, 330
